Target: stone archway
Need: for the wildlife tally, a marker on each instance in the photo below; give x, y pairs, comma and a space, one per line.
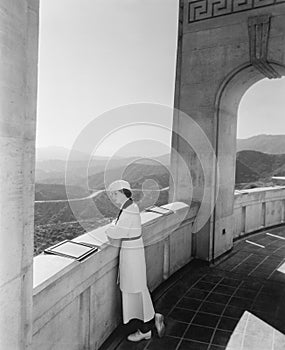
224, 47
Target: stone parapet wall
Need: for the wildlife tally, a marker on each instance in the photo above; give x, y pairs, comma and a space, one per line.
77, 305
258, 208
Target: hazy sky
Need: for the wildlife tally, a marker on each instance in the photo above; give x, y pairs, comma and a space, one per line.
96, 55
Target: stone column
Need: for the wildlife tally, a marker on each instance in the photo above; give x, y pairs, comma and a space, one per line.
222, 51
18, 90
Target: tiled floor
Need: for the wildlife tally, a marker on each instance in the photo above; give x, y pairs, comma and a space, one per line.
238, 304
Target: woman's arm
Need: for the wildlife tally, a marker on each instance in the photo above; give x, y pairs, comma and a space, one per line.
127, 226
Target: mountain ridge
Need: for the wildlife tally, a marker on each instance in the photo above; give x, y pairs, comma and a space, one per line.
265, 143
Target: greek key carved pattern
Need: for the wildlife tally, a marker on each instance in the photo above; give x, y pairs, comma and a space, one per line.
199, 10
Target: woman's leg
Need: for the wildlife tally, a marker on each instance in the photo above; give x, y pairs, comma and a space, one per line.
137, 306
145, 327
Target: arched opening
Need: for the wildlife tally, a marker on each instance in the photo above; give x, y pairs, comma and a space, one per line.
89, 72
261, 135
227, 104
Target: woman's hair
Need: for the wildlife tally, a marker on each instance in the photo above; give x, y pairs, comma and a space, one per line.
126, 192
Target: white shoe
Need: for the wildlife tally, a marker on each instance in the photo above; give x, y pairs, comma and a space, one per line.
159, 324
138, 335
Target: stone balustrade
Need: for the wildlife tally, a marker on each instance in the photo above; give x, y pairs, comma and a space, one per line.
258, 208
77, 304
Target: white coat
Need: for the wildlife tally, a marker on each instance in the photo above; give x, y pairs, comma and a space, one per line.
132, 265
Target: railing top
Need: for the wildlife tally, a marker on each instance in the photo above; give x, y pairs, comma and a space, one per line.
49, 268
259, 189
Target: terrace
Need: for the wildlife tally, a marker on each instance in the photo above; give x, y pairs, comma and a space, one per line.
237, 304
78, 305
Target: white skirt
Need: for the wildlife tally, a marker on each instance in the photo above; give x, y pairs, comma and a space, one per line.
137, 305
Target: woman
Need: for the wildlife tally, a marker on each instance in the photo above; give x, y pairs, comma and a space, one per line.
136, 300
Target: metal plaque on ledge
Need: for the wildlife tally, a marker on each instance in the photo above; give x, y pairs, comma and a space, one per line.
159, 210
71, 249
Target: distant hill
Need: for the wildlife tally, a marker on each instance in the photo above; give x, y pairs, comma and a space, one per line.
55, 221
134, 173
272, 144
244, 174
52, 171
59, 153
45, 192
253, 166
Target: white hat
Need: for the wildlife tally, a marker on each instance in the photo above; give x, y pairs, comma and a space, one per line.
119, 185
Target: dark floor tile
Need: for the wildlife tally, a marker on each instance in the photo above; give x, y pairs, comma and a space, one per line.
217, 347
251, 285
273, 291
212, 308
128, 345
191, 278
227, 323
189, 303
192, 345
240, 302
230, 282
197, 293
199, 333
188, 282
244, 271
224, 289
246, 293
269, 308
277, 276
170, 297
267, 299
175, 328
280, 312
264, 316
221, 337
232, 311
263, 272
182, 315
218, 298
279, 324
205, 285
255, 259
226, 263
164, 304
212, 278
248, 266
179, 288
259, 274
169, 343
205, 319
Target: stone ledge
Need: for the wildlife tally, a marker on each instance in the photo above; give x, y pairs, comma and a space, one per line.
58, 281
48, 268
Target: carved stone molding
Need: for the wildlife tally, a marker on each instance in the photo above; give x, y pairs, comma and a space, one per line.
258, 30
199, 10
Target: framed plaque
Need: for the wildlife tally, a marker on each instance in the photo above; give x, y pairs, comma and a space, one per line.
71, 249
159, 210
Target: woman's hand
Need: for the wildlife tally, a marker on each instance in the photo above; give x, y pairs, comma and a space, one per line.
113, 241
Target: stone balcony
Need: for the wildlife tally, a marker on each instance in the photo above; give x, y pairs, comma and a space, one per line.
76, 305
